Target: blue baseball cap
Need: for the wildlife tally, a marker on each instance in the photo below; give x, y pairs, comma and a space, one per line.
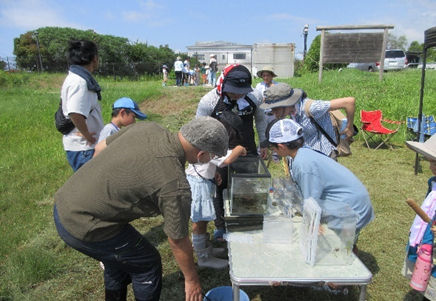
127, 103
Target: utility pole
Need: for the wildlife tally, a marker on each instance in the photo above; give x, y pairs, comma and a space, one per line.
305, 32
35, 35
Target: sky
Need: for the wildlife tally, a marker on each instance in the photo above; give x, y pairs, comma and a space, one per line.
182, 23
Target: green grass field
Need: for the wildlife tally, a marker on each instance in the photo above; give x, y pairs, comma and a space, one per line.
36, 265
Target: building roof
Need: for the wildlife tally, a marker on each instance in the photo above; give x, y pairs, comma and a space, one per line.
217, 44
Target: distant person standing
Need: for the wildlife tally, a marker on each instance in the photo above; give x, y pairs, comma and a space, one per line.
186, 72
197, 75
203, 74
80, 95
213, 69
178, 68
267, 74
165, 75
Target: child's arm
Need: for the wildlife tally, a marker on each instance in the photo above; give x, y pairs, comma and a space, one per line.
239, 150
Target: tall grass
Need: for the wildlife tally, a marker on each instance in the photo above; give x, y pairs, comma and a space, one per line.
36, 265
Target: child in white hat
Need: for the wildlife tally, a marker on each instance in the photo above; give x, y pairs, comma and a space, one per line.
331, 184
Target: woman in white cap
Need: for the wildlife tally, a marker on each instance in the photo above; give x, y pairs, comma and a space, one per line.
331, 184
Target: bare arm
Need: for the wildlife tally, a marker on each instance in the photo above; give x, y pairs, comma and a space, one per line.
349, 105
80, 123
238, 151
182, 250
99, 147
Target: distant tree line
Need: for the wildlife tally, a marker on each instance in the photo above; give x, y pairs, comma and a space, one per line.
47, 46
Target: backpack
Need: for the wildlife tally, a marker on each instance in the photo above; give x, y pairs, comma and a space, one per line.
213, 66
63, 124
339, 122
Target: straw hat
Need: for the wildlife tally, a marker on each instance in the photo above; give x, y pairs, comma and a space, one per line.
427, 148
267, 68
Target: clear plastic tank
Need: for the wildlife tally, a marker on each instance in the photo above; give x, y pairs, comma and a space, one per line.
249, 183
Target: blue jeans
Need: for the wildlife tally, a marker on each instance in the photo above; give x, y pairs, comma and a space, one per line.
128, 258
212, 78
77, 159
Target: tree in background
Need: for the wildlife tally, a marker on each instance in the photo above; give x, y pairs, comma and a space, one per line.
116, 54
3, 65
416, 47
395, 42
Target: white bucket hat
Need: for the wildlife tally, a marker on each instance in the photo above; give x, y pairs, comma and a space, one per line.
427, 148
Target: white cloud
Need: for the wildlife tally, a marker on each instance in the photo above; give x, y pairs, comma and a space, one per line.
29, 14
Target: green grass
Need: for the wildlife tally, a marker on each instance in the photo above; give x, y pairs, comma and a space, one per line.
36, 265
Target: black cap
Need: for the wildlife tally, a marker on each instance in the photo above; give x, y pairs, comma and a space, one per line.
238, 81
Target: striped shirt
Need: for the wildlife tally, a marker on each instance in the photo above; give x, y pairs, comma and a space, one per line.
313, 138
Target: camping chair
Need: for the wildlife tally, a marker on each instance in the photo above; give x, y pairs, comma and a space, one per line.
372, 126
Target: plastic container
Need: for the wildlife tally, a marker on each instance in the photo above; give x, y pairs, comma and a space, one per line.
336, 235
248, 183
286, 196
421, 272
224, 293
310, 229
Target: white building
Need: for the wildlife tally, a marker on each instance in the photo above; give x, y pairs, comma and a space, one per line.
254, 57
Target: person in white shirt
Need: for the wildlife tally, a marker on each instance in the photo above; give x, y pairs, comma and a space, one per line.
178, 68
267, 74
213, 69
80, 94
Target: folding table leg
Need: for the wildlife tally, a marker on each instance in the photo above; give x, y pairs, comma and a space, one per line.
362, 296
235, 292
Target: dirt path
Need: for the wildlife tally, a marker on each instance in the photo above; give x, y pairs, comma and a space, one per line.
169, 103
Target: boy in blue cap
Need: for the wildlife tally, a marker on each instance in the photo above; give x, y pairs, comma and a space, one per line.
124, 112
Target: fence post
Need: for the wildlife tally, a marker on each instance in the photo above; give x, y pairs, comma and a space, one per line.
321, 53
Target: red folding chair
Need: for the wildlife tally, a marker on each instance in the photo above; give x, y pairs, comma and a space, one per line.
372, 127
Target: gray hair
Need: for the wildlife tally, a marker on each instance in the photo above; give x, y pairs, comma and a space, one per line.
206, 134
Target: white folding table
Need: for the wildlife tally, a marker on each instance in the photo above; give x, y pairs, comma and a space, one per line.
256, 263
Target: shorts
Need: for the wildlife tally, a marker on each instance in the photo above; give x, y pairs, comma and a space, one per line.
202, 192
